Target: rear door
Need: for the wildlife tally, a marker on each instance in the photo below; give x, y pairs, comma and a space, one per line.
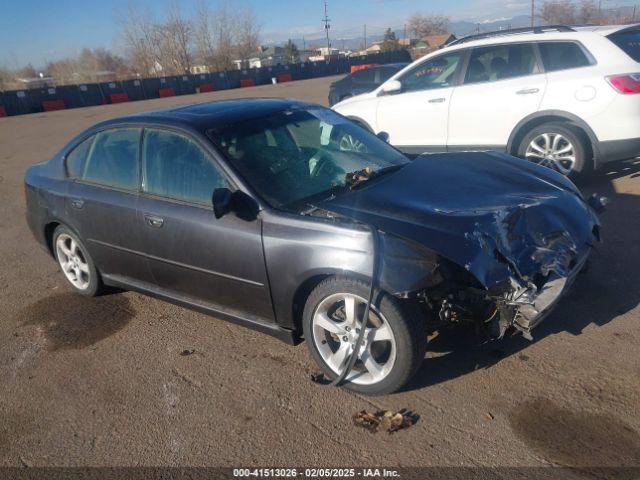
502, 85
103, 199
416, 117
191, 254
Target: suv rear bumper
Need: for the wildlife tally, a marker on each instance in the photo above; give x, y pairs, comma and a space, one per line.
613, 150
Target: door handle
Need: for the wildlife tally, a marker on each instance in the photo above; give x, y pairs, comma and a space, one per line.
77, 203
437, 100
527, 91
154, 221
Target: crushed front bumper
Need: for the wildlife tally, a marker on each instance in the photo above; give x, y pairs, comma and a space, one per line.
534, 305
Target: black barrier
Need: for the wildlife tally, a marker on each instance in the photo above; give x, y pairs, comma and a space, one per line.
19, 102
71, 95
2, 105
134, 90
185, 85
233, 78
220, 81
91, 94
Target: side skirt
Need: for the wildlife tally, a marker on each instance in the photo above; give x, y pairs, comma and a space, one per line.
284, 334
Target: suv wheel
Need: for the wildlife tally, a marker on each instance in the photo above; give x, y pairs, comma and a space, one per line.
558, 146
75, 262
394, 343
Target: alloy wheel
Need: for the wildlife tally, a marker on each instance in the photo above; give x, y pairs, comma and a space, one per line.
336, 325
73, 261
552, 150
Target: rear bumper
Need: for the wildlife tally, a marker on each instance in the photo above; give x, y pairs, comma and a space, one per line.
613, 150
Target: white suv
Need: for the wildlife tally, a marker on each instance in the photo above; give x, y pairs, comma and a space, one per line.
564, 97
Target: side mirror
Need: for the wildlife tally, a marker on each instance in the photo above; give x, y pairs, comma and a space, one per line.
221, 201
225, 201
384, 136
390, 87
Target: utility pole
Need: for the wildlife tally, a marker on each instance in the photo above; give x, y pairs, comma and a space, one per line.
327, 26
365, 36
304, 44
533, 13
405, 32
633, 18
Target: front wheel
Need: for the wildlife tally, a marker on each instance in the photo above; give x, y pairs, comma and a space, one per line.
394, 342
558, 146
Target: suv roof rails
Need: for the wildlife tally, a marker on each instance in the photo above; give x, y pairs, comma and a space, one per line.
512, 31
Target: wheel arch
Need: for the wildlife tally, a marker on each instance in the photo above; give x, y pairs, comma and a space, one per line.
49, 228
547, 116
360, 122
308, 285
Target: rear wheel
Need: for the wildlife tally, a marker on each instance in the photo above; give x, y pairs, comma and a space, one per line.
558, 146
75, 262
394, 342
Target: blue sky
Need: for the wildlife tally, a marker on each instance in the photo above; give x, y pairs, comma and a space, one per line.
39, 30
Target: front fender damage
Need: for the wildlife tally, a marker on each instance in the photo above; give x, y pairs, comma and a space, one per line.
525, 257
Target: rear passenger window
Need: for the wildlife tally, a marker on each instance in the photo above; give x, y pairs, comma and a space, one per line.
176, 167
629, 42
113, 158
562, 56
490, 64
77, 158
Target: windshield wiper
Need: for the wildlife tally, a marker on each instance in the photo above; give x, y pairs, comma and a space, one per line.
353, 179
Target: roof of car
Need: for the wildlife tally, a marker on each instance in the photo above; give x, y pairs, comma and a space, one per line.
555, 32
203, 116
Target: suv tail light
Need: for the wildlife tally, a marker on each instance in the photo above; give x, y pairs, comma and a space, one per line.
625, 84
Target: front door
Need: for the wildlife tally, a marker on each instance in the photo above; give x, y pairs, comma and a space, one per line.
503, 84
191, 254
416, 118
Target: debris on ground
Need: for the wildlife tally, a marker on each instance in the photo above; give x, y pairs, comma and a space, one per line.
385, 420
188, 351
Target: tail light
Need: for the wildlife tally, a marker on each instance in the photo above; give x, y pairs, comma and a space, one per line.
625, 84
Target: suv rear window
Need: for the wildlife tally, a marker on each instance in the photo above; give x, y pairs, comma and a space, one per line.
629, 42
563, 56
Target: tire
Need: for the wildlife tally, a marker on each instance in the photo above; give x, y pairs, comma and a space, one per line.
398, 358
75, 262
568, 135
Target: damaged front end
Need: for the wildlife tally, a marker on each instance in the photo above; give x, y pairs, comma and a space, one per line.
519, 273
478, 236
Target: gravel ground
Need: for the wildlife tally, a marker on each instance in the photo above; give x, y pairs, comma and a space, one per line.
102, 382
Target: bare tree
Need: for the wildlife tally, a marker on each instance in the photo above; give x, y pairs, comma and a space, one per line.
557, 12
175, 37
248, 33
204, 34
419, 25
140, 39
224, 27
589, 13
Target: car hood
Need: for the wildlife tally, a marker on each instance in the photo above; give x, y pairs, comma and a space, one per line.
499, 217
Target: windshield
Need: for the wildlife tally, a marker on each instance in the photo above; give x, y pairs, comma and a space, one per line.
302, 153
629, 41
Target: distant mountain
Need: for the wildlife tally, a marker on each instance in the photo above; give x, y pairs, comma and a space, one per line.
354, 40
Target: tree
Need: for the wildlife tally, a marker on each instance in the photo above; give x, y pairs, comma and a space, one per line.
557, 12
589, 13
248, 34
204, 34
419, 25
291, 53
390, 43
176, 36
140, 39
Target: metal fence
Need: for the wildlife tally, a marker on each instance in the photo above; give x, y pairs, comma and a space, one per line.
21, 102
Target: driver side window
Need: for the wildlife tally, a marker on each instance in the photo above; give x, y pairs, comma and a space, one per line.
174, 166
438, 72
